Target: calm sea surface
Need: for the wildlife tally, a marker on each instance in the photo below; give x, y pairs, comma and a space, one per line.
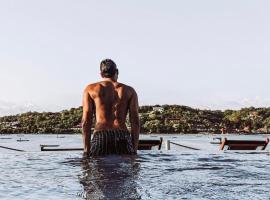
176, 174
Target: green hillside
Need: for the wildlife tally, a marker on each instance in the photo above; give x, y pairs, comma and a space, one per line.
154, 119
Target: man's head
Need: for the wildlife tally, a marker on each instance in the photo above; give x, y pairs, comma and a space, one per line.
108, 69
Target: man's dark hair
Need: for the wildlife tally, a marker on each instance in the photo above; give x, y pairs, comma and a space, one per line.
108, 68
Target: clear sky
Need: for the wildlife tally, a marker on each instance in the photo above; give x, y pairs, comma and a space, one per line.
204, 54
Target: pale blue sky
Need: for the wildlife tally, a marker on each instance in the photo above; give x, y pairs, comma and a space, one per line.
200, 53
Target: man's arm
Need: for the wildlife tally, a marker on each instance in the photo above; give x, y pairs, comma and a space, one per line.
134, 120
87, 120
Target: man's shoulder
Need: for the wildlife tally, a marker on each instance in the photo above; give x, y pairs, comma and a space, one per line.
127, 87
92, 86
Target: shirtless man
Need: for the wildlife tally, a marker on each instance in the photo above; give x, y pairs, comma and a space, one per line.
110, 101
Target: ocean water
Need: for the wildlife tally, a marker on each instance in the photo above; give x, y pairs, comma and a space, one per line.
176, 174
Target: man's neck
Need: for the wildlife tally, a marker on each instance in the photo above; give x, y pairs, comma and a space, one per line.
110, 79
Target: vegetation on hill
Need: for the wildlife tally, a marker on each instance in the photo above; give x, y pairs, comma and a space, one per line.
154, 119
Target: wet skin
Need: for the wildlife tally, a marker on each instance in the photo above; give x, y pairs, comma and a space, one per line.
110, 101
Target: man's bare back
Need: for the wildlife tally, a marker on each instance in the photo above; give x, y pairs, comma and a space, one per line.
110, 101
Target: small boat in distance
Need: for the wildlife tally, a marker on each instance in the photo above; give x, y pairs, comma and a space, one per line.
22, 140
5, 138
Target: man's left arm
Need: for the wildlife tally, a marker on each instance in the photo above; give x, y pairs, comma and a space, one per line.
87, 120
134, 120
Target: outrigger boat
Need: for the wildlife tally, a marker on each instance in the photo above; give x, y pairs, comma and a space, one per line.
227, 144
143, 145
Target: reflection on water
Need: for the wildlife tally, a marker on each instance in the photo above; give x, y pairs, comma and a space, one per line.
113, 177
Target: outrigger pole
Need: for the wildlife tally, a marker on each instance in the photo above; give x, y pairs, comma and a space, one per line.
183, 146
12, 149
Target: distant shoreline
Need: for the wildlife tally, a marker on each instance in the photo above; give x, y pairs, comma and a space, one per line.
159, 119
79, 133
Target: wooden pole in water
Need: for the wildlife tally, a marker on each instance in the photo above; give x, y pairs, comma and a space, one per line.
168, 145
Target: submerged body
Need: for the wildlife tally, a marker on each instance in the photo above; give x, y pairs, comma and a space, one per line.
111, 102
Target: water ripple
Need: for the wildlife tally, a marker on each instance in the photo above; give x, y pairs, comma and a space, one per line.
150, 175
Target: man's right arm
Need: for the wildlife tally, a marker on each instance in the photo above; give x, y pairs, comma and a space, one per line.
134, 120
87, 120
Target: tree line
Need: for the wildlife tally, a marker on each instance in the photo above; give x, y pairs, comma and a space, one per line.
154, 119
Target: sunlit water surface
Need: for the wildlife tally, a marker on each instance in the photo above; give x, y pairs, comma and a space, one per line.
176, 174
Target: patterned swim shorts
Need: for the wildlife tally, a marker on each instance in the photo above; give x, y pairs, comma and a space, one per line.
111, 142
